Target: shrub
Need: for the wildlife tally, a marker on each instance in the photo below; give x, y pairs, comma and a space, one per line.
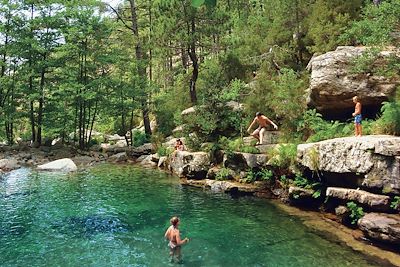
265, 175
395, 203
223, 174
163, 151
139, 138
303, 182
284, 156
389, 122
356, 212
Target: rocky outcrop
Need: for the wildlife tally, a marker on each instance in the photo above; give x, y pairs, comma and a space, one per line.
145, 149
244, 161
381, 227
120, 157
64, 165
8, 165
224, 186
372, 201
298, 193
371, 162
332, 81
192, 165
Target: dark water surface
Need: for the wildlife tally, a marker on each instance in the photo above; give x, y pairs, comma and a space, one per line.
117, 215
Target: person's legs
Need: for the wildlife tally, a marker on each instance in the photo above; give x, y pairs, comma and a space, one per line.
261, 135
359, 129
178, 255
256, 135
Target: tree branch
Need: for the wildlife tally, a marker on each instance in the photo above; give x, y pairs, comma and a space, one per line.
119, 17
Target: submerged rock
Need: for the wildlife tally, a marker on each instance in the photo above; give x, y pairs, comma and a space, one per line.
65, 165
92, 225
372, 162
381, 227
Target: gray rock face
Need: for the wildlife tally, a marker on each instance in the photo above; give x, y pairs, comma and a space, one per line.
244, 161
375, 158
64, 165
224, 186
120, 157
381, 227
193, 165
145, 149
332, 82
373, 201
296, 192
8, 164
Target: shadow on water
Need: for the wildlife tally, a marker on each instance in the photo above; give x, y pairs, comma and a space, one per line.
89, 226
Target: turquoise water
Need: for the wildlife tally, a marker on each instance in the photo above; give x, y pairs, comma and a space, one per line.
117, 215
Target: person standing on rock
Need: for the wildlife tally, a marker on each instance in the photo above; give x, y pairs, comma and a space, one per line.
357, 117
262, 121
173, 236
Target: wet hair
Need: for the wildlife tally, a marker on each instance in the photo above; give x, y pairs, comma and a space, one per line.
174, 221
179, 141
258, 113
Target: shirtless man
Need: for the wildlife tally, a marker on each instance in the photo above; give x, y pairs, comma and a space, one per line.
262, 121
357, 117
173, 236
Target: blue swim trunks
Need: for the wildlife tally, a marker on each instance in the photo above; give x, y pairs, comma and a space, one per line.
357, 119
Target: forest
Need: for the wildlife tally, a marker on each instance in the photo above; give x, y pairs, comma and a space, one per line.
73, 67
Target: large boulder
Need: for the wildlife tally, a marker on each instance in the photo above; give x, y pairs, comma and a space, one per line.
371, 162
244, 161
145, 149
371, 201
332, 83
119, 157
64, 165
224, 186
381, 227
8, 164
192, 165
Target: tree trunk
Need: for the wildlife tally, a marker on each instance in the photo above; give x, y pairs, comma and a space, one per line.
195, 63
141, 68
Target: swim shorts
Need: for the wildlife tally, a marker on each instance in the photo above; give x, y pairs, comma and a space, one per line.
357, 119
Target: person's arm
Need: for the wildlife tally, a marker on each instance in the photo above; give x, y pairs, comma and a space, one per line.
251, 125
166, 235
273, 124
178, 239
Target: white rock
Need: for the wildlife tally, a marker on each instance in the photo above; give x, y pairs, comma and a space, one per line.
64, 165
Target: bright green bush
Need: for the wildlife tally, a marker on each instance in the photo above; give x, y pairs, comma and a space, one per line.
389, 121
356, 212
223, 174
139, 138
284, 156
395, 203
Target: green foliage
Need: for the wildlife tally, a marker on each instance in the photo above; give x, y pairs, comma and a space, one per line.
364, 63
377, 25
260, 175
223, 174
389, 121
164, 151
284, 156
235, 145
303, 182
395, 203
356, 212
139, 138
314, 128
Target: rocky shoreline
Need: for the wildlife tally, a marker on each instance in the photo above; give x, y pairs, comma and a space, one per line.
364, 171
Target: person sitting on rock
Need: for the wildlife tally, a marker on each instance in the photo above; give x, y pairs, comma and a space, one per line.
357, 117
178, 147
262, 121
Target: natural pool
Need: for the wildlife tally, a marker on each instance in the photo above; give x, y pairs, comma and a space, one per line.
116, 216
